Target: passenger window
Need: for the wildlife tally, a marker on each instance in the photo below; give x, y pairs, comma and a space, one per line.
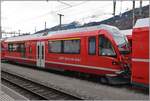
105, 47
22, 48
19, 47
10, 47
92, 46
55, 46
71, 46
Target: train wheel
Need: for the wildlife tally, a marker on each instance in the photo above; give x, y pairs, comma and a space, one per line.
104, 80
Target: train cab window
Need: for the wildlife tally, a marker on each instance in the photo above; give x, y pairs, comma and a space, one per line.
71, 46
92, 46
55, 46
105, 47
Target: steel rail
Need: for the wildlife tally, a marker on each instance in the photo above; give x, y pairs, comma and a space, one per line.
46, 93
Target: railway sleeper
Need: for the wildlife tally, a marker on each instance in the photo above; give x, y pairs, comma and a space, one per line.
51, 94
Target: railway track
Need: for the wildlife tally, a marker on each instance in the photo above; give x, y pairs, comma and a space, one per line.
41, 91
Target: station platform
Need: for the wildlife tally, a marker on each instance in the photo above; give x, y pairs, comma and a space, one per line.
5, 97
8, 94
85, 89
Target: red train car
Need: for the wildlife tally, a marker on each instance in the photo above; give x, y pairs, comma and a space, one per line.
140, 53
98, 50
3, 49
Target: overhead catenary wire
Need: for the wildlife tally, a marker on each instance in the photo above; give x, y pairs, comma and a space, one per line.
55, 12
63, 8
62, 2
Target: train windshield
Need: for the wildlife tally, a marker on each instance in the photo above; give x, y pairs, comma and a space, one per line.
121, 41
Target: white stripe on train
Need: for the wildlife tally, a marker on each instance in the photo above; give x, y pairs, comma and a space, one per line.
140, 60
84, 66
76, 65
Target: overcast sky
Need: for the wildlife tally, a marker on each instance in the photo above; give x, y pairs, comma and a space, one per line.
26, 15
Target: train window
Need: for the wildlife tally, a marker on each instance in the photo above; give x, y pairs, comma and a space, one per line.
22, 48
42, 52
92, 46
18, 48
71, 46
30, 49
105, 47
15, 47
38, 52
55, 46
10, 47
3, 47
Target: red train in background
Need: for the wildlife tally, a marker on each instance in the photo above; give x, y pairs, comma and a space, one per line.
140, 53
2, 49
99, 50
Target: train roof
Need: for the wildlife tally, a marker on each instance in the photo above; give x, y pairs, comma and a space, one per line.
24, 37
144, 22
126, 32
111, 29
84, 29
2, 39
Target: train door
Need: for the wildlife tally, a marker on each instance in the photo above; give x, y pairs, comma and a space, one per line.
23, 50
40, 54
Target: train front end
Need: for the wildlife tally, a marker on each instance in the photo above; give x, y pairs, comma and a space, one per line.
123, 56
124, 49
